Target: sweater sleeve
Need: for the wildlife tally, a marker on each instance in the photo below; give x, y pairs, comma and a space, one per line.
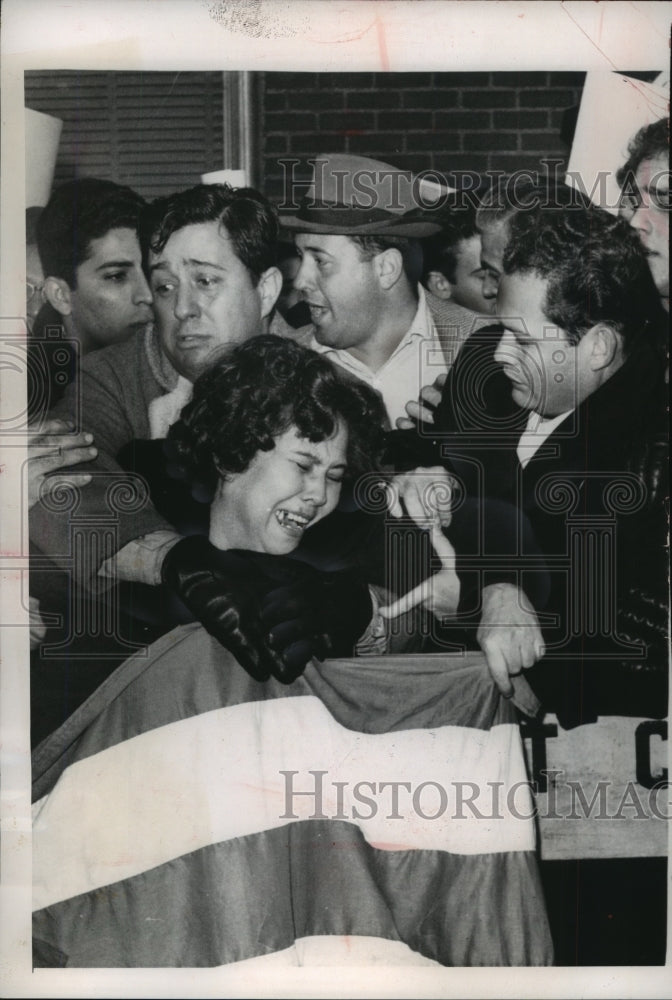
79, 528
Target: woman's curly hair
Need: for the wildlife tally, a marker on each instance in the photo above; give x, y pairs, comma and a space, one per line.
258, 391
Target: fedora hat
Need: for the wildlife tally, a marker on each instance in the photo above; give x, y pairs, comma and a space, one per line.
355, 195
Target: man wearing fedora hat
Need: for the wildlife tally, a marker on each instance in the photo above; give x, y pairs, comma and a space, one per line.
357, 233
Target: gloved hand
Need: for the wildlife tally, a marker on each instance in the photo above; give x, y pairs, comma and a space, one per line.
316, 615
223, 591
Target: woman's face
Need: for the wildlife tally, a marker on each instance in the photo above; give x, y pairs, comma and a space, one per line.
282, 492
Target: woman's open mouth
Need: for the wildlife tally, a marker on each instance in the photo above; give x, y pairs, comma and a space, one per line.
291, 522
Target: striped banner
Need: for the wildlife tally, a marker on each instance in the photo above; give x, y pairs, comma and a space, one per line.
187, 815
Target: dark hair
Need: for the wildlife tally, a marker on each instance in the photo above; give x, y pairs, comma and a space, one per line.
595, 266
651, 140
77, 213
523, 193
250, 221
259, 390
440, 251
410, 250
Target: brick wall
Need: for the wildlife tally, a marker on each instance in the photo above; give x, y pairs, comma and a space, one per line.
449, 122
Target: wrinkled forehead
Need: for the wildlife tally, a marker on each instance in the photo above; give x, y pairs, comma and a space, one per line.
337, 245
197, 241
330, 450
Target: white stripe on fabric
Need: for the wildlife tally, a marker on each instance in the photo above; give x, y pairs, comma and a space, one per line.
337, 950
217, 775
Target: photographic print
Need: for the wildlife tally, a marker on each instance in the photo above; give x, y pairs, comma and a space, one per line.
335, 613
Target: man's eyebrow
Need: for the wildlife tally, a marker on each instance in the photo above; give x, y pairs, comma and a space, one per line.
314, 249
487, 266
115, 263
187, 261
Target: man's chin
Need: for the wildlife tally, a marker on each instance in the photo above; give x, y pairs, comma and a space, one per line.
322, 336
192, 366
195, 361
522, 397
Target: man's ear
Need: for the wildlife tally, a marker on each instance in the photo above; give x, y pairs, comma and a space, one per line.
606, 346
439, 285
269, 287
389, 267
58, 295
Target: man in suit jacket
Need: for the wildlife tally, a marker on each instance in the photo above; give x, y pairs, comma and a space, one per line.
558, 416
357, 234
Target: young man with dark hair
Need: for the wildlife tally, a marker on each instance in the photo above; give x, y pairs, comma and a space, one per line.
211, 262
92, 288
452, 265
87, 238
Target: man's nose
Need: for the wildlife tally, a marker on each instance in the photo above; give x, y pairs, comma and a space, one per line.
303, 279
639, 218
185, 302
490, 285
143, 294
505, 352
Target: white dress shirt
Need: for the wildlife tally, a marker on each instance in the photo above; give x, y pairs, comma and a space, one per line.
415, 362
535, 433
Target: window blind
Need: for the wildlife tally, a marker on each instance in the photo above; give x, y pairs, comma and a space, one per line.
156, 131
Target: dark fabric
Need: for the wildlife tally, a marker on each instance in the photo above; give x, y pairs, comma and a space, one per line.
611, 911
258, 894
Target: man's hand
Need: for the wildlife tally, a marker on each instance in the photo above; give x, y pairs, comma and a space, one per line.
509, 633
426, 493
52, 445
422, 411
440, 593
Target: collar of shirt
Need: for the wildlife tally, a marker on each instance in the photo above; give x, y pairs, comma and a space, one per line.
415, 362
538, 429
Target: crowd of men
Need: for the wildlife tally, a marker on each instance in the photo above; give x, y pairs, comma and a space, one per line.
519, 346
